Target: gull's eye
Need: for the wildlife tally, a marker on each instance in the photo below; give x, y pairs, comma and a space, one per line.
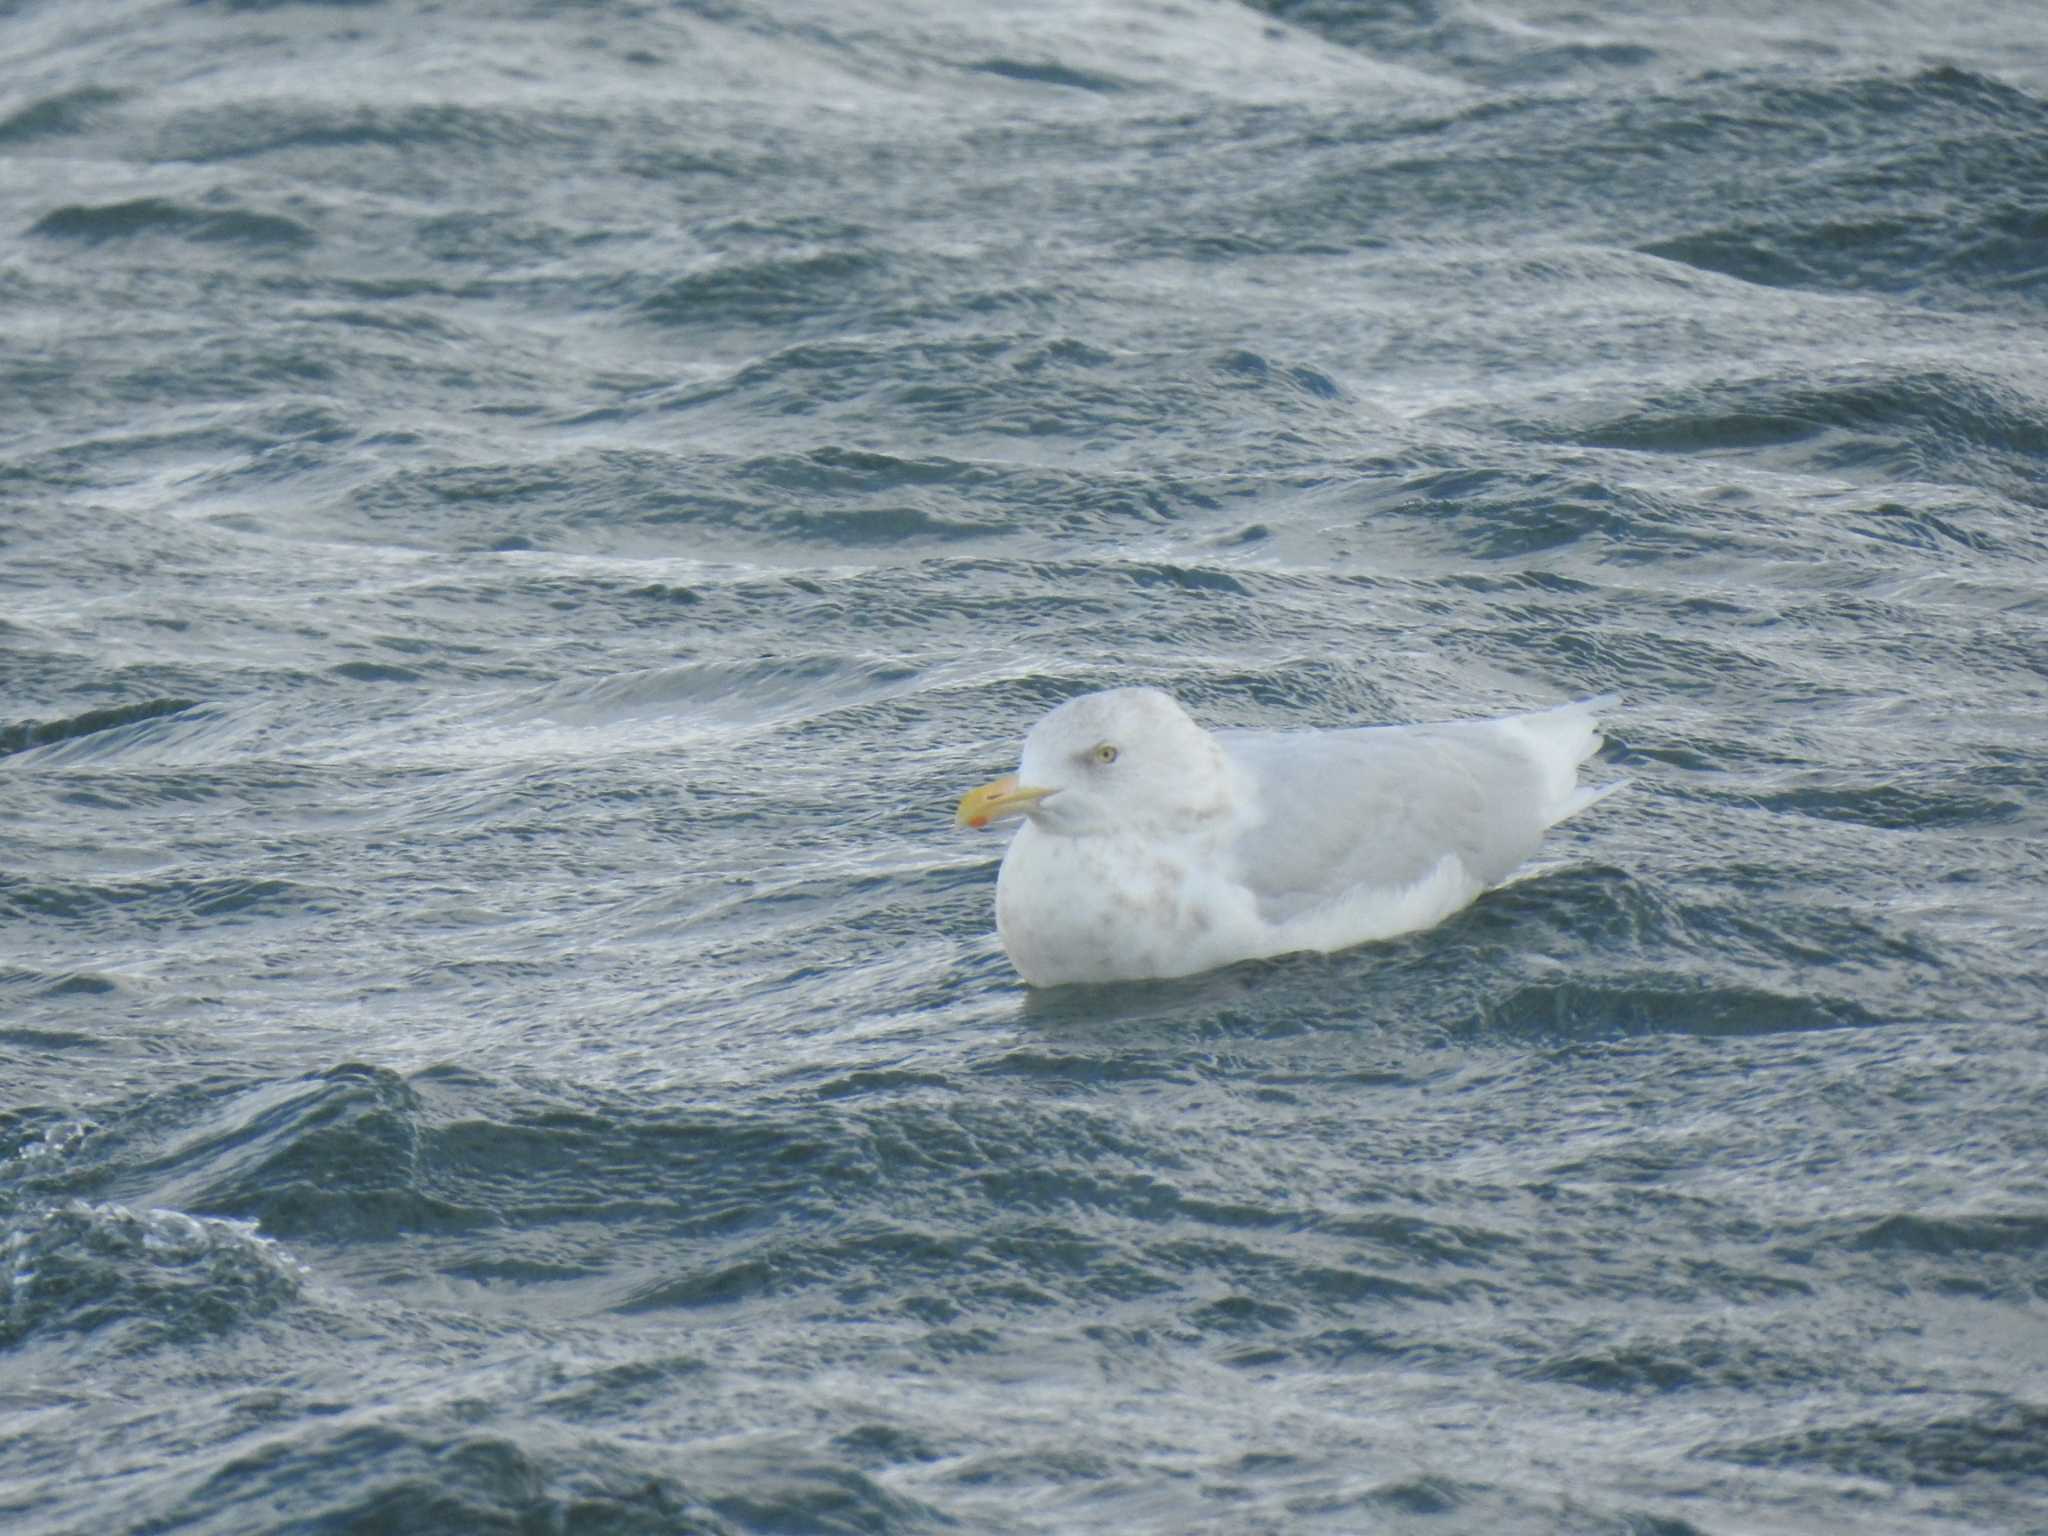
1105, 754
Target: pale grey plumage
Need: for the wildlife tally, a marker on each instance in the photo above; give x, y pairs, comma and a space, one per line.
1382, 805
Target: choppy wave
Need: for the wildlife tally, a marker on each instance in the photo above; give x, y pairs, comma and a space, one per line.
126, 1282
520, 528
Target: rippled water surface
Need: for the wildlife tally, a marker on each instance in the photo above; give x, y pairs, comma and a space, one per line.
517, 522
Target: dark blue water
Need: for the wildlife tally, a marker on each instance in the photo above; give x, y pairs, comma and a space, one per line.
518, 522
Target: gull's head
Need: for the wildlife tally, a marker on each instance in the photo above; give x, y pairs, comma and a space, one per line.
1128, 758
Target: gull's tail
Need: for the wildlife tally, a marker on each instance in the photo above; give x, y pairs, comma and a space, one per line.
1559, 740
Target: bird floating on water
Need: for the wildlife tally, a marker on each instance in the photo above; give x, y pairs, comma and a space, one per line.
1151, 847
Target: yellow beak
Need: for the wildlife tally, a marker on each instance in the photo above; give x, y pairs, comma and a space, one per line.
995, 800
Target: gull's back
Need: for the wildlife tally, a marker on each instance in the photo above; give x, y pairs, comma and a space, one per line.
1381, 807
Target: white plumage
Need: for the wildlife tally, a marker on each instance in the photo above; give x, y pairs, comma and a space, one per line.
1151, 847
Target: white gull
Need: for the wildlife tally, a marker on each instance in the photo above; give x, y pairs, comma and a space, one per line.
1151, 847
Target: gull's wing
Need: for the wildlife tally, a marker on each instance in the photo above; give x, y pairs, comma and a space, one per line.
1381, 807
